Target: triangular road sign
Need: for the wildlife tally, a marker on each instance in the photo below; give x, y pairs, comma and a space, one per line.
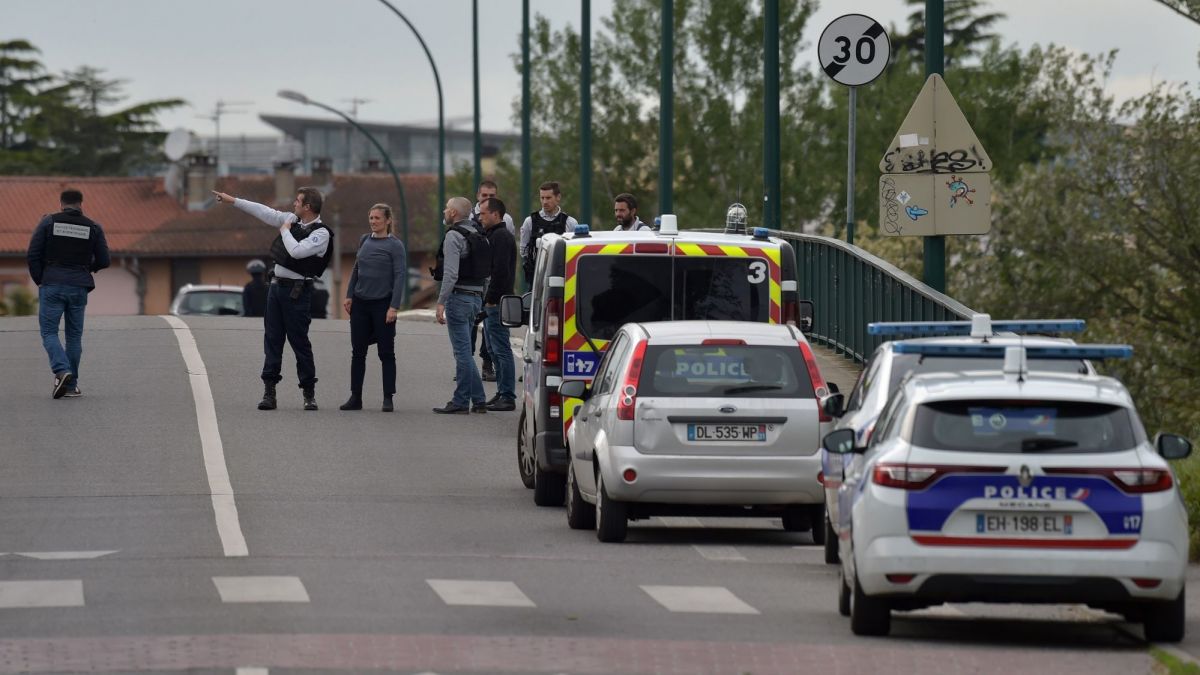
935, 137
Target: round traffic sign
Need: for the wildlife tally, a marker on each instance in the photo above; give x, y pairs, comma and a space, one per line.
854, 49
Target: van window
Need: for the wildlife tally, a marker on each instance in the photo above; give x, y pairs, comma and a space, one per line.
539, 293
722, 288
726, 371
612, 290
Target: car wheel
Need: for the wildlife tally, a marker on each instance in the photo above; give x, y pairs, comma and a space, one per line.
580, 514
549, 489
868, 615
816, 514
843, 595
1164, 621
525, 458
795, 518
831, 544
612, 519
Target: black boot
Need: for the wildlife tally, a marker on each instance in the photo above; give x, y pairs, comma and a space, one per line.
352, 403
310, 398
387, 404
268, 399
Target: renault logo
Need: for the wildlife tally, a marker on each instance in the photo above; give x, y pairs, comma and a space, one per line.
1025, 478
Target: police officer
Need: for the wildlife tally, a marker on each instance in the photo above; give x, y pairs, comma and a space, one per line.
625, 210
254, 294
550, 219
464, 262
66, 249
301, 252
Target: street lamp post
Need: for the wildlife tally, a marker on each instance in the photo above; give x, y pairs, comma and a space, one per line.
441, 113
301, 98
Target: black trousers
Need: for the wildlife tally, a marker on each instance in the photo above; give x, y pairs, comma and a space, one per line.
478, 332
368, 323
287, 318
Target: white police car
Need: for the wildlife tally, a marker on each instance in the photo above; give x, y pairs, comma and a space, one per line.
885, 370
1012, 486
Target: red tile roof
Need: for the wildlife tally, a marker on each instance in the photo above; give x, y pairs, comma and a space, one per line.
139, 218
127, 208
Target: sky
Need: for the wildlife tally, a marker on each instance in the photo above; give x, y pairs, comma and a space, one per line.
334, 50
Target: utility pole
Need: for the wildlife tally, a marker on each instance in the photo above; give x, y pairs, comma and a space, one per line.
526, 153
771, 183
585, 113
475, 70
935, 247
666, 109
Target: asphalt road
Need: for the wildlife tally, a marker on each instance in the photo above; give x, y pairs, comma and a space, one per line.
399, 542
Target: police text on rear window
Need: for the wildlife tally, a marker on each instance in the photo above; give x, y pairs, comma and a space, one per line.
1046, 427
725, 371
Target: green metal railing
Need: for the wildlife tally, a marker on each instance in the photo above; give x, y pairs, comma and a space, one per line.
851, 288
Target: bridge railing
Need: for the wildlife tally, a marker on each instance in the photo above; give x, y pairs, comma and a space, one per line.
851, 288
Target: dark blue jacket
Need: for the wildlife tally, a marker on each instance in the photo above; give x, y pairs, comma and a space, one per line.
43, 273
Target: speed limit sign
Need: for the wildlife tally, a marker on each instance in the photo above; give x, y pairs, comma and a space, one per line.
854, 49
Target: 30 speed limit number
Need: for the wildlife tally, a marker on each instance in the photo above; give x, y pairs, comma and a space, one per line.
854, 49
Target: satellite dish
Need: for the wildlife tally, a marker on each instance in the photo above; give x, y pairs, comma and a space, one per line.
177, 144
173, 181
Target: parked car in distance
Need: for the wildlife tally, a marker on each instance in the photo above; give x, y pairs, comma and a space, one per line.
208, 299
716, 418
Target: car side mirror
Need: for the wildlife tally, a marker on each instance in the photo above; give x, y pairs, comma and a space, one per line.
840, 442
834, 404
513, 312
807, 316
1172, 446
574, 389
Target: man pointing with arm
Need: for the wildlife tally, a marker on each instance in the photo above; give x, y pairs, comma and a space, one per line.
302, 252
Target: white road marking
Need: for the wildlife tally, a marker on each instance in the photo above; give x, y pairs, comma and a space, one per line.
718, 552
65, 555
940, 612
699, 599
252, 671
224, 508
22, 594
479, 593
680, 521
261, 589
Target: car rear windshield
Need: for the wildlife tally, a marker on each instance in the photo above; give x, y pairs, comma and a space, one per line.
212, 302
725, 371
1047, 427
612, 290
903, 364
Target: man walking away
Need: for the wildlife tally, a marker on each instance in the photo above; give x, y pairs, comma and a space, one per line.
550, 219
463, 264
301, 252
625, 209
254, 294
503, 276
66, 249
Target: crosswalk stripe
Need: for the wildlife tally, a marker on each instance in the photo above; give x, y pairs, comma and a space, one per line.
261, 589
44, 593
680, 521
64, 555
718, 552
479, 593
252, 671
699, 599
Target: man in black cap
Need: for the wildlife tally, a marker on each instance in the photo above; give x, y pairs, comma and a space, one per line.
301, 252
254, 294
66, 249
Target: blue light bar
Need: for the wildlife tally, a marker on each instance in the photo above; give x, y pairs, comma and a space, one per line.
582, 230
964, 327
984, 351
761, 233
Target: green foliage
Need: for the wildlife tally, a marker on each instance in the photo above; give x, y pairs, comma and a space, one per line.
19, 301
64, 124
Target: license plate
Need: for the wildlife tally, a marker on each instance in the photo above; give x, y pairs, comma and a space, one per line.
1045, 524
727, 432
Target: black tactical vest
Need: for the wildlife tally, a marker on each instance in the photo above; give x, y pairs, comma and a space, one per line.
312, 266
539, 226
70, 241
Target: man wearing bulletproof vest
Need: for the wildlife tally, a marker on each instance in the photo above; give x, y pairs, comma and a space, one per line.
463, 265
66, 249
550, 219
301, 252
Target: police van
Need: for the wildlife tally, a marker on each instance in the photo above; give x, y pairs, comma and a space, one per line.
586, 285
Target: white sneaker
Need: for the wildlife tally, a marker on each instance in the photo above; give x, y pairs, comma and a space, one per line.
73, 393
61, 381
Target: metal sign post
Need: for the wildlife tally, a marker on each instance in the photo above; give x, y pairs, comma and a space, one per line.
853, 50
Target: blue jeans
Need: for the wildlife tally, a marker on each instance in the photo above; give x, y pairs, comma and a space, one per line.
461, 309
54, 302
287, 319
502, 355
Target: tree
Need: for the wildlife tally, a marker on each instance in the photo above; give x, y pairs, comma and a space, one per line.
20, 75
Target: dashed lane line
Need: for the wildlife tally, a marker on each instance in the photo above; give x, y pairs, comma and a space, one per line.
479, 593
699, 599
719, 553
224, 507
63, 555
260, 589
44, 593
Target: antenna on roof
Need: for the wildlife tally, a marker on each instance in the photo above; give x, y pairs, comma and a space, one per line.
354, 102
220, 109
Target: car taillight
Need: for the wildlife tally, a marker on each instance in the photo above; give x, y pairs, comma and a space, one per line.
554, 399
920, 476
818, 382
791, 312
552, 332
627, 394
1130, 481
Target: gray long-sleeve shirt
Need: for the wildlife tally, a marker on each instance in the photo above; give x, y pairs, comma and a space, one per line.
455, 248
378, 271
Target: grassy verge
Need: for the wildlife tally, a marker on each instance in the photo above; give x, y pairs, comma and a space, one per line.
1172, 665
1188, 473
